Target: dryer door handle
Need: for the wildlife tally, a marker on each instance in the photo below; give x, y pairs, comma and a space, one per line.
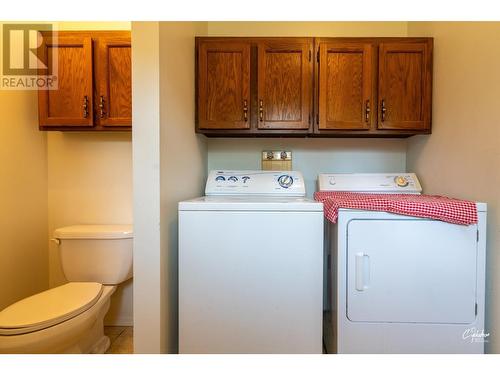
362, 264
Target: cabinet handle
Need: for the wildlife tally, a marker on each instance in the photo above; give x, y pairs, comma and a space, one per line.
245, 110
367, 111
101, 106
261, 110
85, 106
383, 110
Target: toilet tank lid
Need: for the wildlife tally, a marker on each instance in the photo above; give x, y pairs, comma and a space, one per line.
103, 231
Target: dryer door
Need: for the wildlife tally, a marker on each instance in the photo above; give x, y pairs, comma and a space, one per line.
411, 270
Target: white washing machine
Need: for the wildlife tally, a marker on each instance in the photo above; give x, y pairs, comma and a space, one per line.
251, 266
401, 284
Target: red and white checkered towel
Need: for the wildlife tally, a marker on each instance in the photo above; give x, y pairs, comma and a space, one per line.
451, 210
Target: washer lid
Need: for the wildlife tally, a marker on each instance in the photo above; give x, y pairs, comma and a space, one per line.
49, 308
95, 232
250, 203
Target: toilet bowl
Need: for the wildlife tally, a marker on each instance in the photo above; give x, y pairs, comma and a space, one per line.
70, 318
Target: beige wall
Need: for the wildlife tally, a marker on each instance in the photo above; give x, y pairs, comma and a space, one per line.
183, 159
79, 25
169, 166
23, 198
462, 156
90, 182
323, 29
311, 156
51, 179
148, 290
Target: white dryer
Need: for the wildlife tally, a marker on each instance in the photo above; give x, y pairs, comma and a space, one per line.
401, 284
251, 266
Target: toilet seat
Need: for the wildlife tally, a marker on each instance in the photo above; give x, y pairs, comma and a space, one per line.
49, 308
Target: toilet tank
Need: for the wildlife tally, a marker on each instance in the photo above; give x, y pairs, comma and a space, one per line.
98, 253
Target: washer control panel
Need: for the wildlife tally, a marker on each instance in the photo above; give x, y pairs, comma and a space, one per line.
390, 183
283, 183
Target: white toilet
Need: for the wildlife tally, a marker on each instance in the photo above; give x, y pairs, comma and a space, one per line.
69, 318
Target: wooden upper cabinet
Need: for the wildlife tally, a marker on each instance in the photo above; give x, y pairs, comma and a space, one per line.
405, 86
113, 105
346, 87
94, 81
284, 84
71, 104
349, 87
224, 85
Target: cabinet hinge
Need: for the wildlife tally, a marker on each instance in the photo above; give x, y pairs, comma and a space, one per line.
309, 55
475, 309
309, 120
317, 56
317, 118
477, 235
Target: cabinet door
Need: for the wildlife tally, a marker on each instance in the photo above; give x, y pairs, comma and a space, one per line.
405, 86
345, 86
224, 85
114, 82
284, 84
71, 103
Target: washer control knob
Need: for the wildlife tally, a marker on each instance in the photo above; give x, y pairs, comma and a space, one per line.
220, 178
401, 181
285, 181
245, 179
233, 178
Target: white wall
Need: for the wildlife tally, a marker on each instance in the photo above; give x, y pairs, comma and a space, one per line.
462, 156
24, 266
169, 165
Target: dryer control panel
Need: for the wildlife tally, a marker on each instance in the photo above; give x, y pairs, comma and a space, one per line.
282, 183
389, 183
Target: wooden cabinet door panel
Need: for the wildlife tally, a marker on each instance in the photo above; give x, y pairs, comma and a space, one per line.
224, 85
345, 86
113, 105
284, 85
71, 103
404, 86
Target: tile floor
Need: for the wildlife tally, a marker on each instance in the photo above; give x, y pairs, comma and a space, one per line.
122, 339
